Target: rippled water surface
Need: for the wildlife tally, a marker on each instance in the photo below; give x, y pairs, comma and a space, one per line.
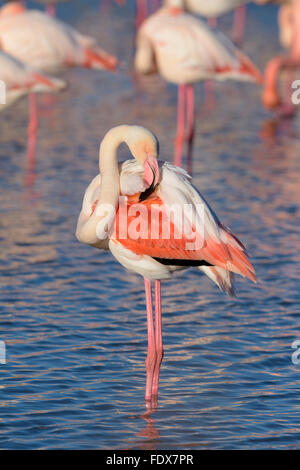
74, 321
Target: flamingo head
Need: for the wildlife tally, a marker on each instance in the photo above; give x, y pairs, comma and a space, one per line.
145, 149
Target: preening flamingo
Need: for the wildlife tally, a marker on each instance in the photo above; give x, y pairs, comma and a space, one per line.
185, 50
47, 43
121, 212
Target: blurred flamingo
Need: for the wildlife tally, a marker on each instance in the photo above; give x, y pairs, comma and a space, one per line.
149, 189
185, 50
47, 43
289, 27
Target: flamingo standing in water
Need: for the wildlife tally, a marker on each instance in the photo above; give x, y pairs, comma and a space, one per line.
49, 45
185, 50
121, 212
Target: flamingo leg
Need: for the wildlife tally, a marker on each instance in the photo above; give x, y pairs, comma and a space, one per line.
179, 140
191, 124
158, 339
213, 21
51, 10
32, 128
141, 12
151, 356
287, 108
239, 24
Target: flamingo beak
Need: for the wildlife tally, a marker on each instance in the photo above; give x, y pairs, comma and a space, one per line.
151, 171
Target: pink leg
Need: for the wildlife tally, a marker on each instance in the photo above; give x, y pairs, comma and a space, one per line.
180, 125
141, 12
191, 124
156, 4
151, 357
51, 10
32, 128
158, 339
239, 24
213, 21
209, 95
288, 109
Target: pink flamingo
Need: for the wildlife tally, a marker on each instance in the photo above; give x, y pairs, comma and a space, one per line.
185, 50
47, 43
289, 24
121, 212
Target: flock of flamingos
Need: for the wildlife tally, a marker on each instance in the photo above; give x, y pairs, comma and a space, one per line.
145, 211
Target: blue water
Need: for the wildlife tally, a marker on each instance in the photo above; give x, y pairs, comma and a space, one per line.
74, 321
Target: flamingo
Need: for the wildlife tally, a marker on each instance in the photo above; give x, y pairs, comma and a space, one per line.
20, 80
121, 212
185, 50
289, 24
47, 43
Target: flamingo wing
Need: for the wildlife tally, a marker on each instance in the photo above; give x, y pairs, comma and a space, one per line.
176, 226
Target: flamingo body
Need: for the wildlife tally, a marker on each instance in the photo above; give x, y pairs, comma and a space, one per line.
155, 258
184, 50
47, 43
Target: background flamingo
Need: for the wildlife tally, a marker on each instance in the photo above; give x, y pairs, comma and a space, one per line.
46, 43
150, 187
49, 45
185, 50
289, 24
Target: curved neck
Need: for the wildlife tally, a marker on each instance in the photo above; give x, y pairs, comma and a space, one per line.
108, 165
